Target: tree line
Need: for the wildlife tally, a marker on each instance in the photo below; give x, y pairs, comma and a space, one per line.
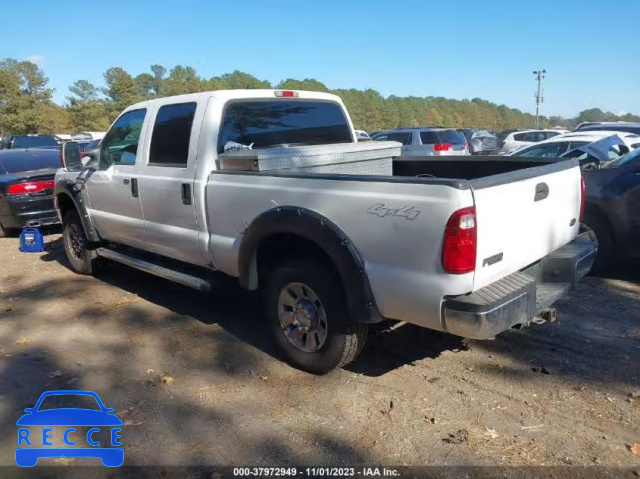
26, 104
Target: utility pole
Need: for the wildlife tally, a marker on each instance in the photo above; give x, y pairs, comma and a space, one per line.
538, 95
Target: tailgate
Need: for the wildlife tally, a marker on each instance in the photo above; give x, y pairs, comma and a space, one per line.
523, 216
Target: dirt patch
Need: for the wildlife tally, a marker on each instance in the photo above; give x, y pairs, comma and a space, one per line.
196, 380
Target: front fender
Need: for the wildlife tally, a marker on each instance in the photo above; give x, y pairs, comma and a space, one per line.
67, 188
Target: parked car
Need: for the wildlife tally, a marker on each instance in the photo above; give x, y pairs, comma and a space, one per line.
427, 141
88, 135
610, 126
480, 141
362, 135
29, 141
612, 209
560, 146
511, 140
478, 246
26, 188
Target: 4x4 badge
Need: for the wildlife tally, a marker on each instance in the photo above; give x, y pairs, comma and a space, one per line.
382, 210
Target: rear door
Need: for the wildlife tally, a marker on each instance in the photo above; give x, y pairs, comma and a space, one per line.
522, 220
167, 181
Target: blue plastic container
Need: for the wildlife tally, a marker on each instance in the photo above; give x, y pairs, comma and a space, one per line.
31, 241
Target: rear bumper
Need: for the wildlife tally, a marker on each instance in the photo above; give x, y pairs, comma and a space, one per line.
28, 211
521, 296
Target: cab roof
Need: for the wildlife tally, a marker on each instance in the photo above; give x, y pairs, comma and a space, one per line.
226, 95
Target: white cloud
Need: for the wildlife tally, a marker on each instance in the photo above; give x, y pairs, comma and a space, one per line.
622, 113
37, 59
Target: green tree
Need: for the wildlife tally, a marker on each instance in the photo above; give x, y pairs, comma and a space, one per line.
24, 97
121, 89
158, 79
87, 111
241, 80
308, 84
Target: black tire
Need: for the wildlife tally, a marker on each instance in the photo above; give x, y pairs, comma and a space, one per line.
600, 232
76, 245
344, 337
8, 232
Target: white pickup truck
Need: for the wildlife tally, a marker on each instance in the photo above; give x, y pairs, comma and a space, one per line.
470, 246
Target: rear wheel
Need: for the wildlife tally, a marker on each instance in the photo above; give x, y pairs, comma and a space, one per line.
76, 245
307, 313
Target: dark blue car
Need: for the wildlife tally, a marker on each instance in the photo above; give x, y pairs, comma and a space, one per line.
68, 416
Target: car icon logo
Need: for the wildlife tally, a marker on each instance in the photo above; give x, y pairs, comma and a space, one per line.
36, 430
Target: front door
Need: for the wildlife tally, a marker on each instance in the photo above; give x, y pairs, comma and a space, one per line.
113, 190
167, 183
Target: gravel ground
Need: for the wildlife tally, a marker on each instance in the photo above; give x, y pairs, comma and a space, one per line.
196, 380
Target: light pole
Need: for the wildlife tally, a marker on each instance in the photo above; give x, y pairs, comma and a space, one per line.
538, 95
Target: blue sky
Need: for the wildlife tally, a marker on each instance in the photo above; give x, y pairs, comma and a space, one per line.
452, 48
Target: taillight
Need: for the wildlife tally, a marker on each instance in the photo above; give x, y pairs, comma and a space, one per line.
442, 147
583, 188
466, 145
31, 187
459, 245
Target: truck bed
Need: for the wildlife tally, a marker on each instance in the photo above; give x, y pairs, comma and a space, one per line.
462, 167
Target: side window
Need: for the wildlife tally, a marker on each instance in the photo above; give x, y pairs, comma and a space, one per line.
551, 134
520, 137
120, 144
171, 135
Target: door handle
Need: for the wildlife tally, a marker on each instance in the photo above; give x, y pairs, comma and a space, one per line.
186, 194
126, 181
542, 191
134, 187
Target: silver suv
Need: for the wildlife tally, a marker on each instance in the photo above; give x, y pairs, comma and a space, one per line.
426, 141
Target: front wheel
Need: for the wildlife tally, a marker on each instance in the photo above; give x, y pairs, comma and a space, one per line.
76, 245
308, 316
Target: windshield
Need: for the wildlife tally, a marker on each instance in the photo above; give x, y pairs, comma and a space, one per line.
276, 122
551, 150
34, 141
623, 159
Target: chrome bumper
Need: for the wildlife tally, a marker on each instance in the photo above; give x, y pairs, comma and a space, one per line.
521, 296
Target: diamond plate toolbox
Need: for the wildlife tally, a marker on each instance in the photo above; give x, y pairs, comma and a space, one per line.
371, 158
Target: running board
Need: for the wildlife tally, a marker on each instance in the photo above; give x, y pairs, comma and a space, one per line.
166, 273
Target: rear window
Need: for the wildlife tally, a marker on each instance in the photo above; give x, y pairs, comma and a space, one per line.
171, 135
442, 136
12, 161
277, 122
34, 141
428, 138
450, 136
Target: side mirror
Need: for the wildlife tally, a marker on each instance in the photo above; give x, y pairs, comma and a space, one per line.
71, 157
29, 410
109, 410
